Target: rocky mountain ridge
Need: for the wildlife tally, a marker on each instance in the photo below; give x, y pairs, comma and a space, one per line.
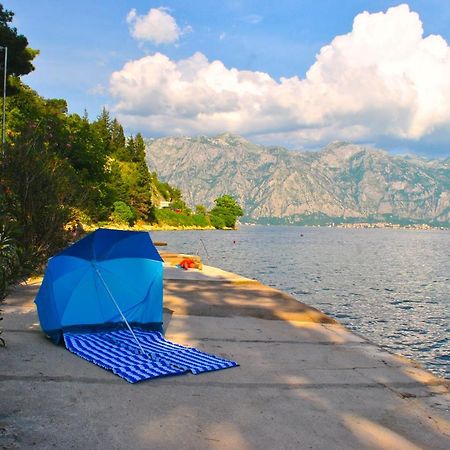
343, 181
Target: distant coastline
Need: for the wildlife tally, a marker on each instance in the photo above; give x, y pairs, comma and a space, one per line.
359, 225
422, 226
146, 227
140, 226
379, 225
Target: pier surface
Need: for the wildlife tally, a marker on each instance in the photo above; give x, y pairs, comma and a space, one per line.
304, 381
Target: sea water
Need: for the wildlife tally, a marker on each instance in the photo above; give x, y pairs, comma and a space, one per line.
390, 285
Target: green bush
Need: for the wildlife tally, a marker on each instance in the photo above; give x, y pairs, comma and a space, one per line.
200, 220
122, 213
225, 212
180, 219
218, 222
9, 258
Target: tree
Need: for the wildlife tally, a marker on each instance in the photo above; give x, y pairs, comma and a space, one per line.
200, 210
19, 54
217, 222
84, 149
103, 127
117, 136
139, 149
130, 148
130, 180
122, 213
226, 211
40, 188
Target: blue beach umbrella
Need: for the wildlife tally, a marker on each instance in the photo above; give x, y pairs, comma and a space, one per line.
107, 279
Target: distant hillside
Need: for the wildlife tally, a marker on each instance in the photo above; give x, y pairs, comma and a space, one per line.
342, 182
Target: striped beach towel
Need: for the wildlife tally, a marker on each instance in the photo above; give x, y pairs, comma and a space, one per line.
118, 351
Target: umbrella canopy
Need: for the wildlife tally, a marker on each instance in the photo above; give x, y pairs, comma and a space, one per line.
105, 279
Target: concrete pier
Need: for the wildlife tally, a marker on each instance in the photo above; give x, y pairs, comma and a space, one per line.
304, 381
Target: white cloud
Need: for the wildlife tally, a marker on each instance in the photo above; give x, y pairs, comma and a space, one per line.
157, 26
98, 89
254, 19
382, 80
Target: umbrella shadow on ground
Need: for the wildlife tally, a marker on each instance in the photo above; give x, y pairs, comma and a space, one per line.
167, 317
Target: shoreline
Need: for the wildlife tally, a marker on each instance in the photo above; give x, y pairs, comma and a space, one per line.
145, 227
359, 226
362, 225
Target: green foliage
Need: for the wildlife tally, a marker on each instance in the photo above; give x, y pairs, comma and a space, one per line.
117, 137
131, 181
179, 219
180, 205
174, 196
40, 185
200, 209
200, 220
87, 155
226, 212
52, 164
229, 203
19, 54
103, 128
217, 222
122, 213
138, 154
9, 257
161, 187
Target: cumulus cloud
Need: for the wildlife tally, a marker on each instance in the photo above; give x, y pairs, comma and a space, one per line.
382, 80
157, 26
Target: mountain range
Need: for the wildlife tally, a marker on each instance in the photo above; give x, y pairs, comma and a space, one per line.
342, 182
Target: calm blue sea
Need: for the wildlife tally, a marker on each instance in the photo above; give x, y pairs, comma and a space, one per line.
391, 286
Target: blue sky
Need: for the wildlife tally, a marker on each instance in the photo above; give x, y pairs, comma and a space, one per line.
294, 73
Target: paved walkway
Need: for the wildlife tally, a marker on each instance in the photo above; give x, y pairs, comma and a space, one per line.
304, 381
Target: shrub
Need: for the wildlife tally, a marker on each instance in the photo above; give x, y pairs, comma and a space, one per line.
225, 212
123, 213
217, 222
9, 258
180, 219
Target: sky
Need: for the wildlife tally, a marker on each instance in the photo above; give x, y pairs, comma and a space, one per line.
294, 73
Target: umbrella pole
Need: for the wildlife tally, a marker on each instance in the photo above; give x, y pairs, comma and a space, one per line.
120, 311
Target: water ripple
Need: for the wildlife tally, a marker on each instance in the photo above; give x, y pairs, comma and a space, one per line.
392, 286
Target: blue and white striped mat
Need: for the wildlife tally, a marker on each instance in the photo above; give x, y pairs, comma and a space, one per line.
118, 351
